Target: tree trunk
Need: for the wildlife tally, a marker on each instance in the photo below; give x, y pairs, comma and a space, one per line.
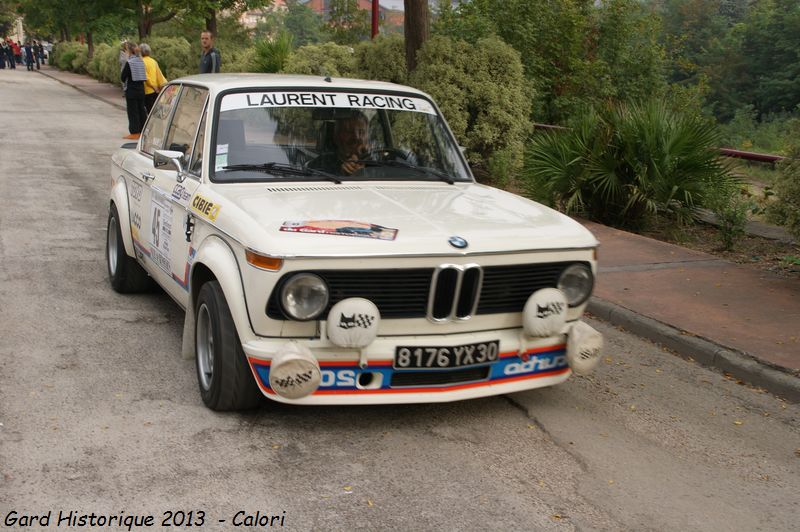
211, 22
90, 45
417, 29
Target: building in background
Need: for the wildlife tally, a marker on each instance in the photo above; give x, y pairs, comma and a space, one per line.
390, 19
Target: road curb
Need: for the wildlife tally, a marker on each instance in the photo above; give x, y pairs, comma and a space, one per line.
779, 381
84, 91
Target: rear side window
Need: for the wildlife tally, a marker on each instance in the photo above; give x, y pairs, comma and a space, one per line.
156, 128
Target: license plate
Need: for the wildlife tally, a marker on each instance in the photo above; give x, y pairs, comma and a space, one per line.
458, 356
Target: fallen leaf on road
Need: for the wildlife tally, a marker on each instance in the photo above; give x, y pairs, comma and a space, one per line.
737, 422
276, 446
797, 452
610, 482
348, 488
369, 503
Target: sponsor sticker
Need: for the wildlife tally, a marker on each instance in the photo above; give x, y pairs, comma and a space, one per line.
161, 231
340, 228
181, 195
326, 99
205, 208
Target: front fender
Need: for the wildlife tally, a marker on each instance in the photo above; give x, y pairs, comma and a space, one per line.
216, 260
119, 197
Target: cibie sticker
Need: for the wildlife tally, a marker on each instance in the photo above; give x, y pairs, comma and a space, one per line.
348, 100
205, 208
340, 228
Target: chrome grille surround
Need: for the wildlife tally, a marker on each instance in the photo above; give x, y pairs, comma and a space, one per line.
454, 296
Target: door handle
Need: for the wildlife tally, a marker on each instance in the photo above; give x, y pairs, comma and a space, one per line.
147, 177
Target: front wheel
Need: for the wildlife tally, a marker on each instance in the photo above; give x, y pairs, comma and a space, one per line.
126, 275
225, 379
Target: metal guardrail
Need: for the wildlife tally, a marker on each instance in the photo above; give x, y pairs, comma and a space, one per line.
727, 152
751, 156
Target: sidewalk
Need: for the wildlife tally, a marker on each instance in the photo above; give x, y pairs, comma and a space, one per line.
738, 320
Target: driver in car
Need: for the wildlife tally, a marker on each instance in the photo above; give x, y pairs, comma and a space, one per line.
350, 137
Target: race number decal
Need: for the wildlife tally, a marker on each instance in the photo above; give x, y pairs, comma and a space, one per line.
160, 230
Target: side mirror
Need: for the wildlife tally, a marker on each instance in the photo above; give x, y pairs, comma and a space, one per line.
169, 160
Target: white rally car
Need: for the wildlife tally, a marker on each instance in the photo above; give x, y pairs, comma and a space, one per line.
312, 277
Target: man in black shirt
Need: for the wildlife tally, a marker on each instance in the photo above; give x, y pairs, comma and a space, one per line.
210, 60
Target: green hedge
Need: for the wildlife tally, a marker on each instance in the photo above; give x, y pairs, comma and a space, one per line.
327, 59
483, 94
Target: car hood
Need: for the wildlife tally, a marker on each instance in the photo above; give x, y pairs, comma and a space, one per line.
387, 219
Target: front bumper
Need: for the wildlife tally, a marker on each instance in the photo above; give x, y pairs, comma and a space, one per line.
367, 376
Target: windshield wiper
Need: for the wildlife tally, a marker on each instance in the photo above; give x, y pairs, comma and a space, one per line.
285, 169
426, 170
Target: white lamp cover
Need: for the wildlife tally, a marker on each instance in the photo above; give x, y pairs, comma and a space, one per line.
294, 373
353, 322
584, 345
545, 312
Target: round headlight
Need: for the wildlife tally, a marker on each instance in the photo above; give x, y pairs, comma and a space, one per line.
304, 296
576, 281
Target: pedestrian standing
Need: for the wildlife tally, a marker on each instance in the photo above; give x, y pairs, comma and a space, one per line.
133, 77
3, 53
37, 54
29, 56
10, 54
155, 78
210, 59
17, 53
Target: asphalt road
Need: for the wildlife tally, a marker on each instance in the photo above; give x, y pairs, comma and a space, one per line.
99, 413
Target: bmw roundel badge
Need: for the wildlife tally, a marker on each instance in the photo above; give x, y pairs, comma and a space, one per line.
457, 242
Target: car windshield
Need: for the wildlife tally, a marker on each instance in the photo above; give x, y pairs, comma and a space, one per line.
294, 135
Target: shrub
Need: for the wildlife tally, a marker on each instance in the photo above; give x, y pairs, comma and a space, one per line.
80, 61
731, 210
382, 59
174, 56
238, 60
271, 55
108, 64
628, 163
95, 66
786, 209
483, 94
66, 53
326, 59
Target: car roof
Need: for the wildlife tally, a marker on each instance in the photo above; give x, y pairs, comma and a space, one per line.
222, 82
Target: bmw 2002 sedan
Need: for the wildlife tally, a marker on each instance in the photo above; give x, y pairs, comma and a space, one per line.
330, 246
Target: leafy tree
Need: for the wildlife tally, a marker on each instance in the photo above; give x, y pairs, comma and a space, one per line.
347, 24
786, 210
771, 45
69, 16
303, 23
575, 52
8, 14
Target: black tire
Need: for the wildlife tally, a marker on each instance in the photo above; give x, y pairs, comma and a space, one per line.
126, 275
223, 373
